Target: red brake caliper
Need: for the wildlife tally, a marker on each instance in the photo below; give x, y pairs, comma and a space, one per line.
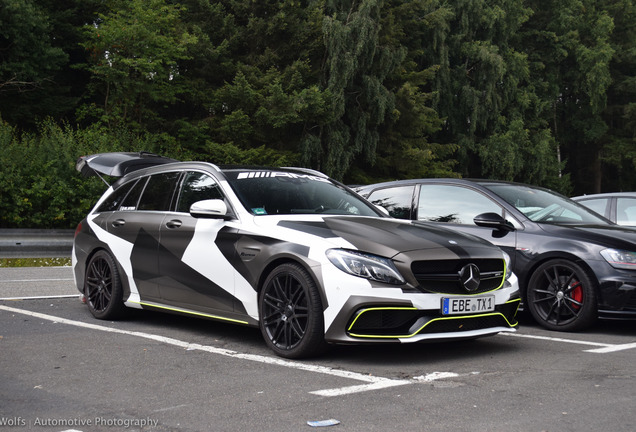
577, 294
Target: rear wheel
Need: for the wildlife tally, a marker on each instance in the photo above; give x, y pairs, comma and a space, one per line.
561, 296
291, 316
102, 287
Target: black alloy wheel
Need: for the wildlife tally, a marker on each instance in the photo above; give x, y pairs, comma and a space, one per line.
102, 287
561, 296
290, 308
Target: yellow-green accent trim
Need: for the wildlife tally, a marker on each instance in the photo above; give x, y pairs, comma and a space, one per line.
503, 278
201, 314
518, 301
503, 281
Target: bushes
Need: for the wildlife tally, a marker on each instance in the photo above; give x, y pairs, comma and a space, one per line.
39, 186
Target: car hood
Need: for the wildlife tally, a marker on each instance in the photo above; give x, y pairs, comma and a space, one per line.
614, 236
389, 237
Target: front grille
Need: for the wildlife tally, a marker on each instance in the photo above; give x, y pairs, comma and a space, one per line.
443, 276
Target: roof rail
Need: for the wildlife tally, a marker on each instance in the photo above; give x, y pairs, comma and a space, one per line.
308, 171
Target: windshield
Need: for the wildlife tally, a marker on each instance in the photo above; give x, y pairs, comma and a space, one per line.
280, 192
541, 205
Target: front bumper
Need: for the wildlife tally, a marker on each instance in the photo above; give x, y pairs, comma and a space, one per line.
407, 324
617, 292
618, 299
407, 318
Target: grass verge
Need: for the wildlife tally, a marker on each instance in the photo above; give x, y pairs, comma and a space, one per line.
35, 262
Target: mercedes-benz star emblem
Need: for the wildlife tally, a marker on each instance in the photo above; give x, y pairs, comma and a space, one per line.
469, 277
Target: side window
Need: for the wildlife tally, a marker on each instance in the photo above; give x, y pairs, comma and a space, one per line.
131, 200
115, 199
197, 187
626, 211
158, 192
396, 200
598, 205
453, 204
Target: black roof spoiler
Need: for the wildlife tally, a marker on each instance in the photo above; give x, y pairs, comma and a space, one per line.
118, 164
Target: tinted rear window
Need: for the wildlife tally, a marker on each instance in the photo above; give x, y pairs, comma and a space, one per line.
115, 199
158, 192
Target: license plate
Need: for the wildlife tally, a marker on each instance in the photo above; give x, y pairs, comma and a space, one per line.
467, 305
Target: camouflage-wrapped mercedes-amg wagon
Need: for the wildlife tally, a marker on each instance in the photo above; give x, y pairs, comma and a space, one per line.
285, 249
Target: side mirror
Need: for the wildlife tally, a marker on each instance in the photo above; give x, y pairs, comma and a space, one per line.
494, 221
211, 209
383, 210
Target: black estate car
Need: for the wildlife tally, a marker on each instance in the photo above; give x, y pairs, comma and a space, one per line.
573, 265
287, 250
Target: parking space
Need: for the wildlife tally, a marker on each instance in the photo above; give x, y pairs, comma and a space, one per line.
61, 369
29, 282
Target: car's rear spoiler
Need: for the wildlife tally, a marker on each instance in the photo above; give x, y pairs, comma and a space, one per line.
117, 164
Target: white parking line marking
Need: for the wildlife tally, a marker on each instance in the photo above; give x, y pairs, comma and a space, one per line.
374, 382
436, 376
41, 297
605, 347
381, 383
613, 348
36, 280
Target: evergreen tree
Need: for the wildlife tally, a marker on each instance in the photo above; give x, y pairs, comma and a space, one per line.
356, 66
259, 88
619, 143
29, 62
404, 149
569, 51
135, 52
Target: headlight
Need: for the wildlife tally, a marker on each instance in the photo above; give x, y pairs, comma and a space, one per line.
508, 265
365, 265
620, 259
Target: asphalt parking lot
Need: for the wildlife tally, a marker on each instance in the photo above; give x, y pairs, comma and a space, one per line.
62, 370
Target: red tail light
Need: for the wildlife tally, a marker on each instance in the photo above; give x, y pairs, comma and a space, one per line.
78, 229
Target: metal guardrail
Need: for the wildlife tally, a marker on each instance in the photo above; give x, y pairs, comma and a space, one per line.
35, 243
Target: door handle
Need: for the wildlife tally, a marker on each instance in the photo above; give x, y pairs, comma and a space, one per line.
118, 223
175, 223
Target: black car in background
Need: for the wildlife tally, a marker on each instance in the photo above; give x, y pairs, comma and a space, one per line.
619, 207
573, 265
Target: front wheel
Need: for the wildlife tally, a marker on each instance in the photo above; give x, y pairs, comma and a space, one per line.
291, 316
561, 296
102, 287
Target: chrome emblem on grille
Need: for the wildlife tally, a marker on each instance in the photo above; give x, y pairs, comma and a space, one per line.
469, 277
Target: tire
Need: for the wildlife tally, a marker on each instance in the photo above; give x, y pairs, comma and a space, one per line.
561, 296
102, 287
291, 315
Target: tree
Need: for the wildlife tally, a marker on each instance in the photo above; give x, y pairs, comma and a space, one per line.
619, 143
257, 85
404, 149
569, 51
135, 52
356, 66
28, 63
